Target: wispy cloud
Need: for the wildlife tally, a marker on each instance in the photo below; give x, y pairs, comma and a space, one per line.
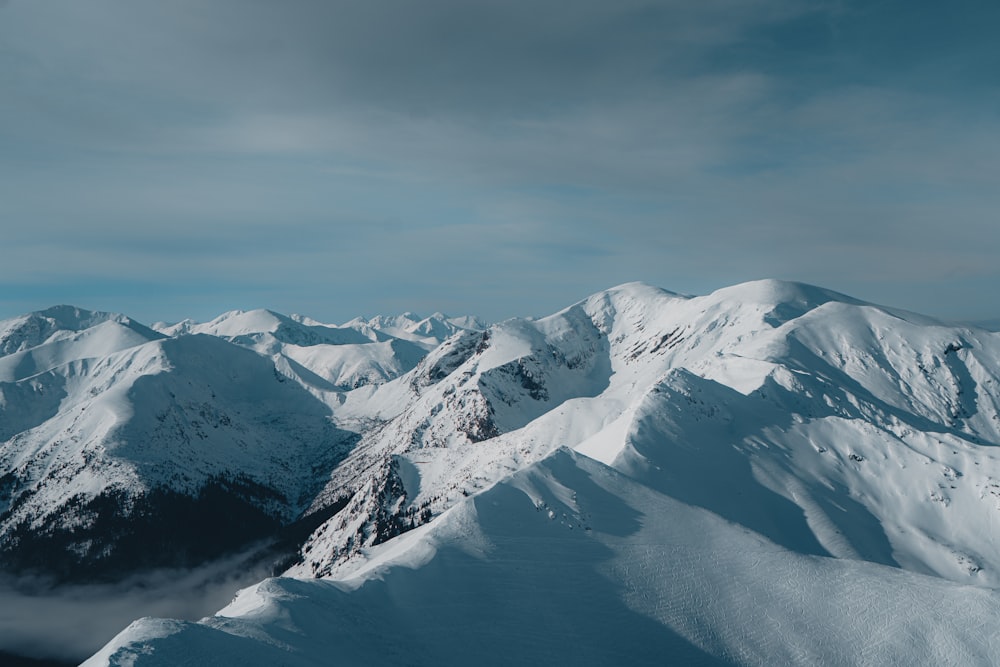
72, 622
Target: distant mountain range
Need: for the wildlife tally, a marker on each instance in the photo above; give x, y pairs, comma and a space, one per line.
129, 448
770, 474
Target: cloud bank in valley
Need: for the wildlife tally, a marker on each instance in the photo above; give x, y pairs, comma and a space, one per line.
71, 622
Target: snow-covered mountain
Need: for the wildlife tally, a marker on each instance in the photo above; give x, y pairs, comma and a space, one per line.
323, 357
126, 448
850, 430
773, 473
59, 323
125, 461
427, 331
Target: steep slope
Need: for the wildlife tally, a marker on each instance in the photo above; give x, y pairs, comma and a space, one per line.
108, 427
34, 329
849, 430
447, 416
94, 342
162, 454
35, 344
570, 562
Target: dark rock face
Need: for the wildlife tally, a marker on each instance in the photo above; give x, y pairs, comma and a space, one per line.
453, 353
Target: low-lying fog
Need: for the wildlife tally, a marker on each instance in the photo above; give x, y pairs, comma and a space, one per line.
70, 623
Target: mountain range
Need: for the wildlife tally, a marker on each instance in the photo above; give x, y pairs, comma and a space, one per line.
773, 473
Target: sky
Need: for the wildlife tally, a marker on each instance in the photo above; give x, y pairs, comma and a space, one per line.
502, 158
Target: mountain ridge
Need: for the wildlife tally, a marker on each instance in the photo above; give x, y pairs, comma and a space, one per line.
843, 438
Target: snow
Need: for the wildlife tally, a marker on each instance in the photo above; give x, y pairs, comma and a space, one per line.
426, 331
347, 367
621, 575
36, 328
168, 413
773, 473
764, 376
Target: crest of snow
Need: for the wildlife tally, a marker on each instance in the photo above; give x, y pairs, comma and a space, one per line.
765, 362
426, 331
34, 329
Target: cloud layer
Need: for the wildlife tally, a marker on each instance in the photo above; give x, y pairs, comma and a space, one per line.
182, 158
70, 623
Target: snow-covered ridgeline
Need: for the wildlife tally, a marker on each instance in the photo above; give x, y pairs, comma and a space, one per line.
104, 422
772, 472
852, 430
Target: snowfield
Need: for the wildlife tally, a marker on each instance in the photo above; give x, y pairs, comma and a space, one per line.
773, 473
571, 562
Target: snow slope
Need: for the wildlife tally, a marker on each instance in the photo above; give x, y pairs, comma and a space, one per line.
427, 331
571, 562
99, 441
34, 329
105, 422
848, 429
327, 358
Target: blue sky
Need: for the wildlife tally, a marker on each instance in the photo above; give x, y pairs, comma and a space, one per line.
339, 158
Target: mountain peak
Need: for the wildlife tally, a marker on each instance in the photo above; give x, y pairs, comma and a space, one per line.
639, 289
72, 318
36, 328
775, 292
